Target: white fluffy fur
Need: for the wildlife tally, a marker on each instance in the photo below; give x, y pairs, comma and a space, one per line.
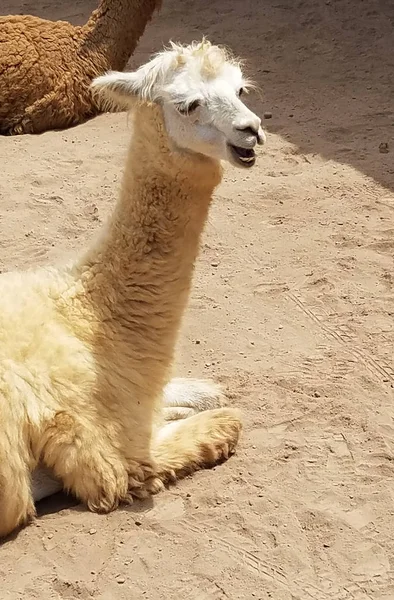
177, 78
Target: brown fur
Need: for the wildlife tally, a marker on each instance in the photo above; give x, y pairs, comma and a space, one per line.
46, 67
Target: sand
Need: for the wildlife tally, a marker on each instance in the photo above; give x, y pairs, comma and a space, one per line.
292, 309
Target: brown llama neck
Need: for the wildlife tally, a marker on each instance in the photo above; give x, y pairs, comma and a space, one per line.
114, 29
138, 275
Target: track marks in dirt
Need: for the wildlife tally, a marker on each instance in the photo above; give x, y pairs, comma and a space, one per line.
329, 367
297, 589
248, 557
343, 336
195, 587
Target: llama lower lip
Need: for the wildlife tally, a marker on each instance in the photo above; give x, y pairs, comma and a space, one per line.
243, 156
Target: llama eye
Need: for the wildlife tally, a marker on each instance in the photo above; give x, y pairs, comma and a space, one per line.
186, 109
240, 92
193, 106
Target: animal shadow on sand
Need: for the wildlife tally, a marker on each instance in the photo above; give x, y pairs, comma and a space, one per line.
62, 501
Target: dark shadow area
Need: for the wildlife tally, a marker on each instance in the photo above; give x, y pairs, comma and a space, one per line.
325, 67
61, 501
56, 503
48, 506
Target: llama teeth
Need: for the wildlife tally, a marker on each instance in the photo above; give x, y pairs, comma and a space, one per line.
246, 158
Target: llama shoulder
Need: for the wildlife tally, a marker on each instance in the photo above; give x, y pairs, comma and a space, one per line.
32, 329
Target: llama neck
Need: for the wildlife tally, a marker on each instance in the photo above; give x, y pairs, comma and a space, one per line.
138, 275
114, 29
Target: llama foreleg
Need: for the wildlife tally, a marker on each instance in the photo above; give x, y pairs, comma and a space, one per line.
56, 110
36, 117
182, 398
87, 464
198, 442
185, 397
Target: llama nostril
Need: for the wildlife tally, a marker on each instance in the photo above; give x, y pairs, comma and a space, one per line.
249, 130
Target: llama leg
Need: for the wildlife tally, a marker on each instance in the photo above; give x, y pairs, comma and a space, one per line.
87, 464
16, 501
198, 442
35, 116
56, 108
185, 397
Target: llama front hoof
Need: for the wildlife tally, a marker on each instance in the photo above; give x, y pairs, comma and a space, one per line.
222, 439
107, 501
152, 486
143, 481
20, 128
139, 473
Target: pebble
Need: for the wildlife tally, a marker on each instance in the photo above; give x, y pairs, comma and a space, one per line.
92, 531
383, 148
120, 580
214, 263
268, 115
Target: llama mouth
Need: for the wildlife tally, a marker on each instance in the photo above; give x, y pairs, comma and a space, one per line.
243, 156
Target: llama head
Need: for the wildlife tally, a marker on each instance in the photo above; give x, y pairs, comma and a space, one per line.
199, 88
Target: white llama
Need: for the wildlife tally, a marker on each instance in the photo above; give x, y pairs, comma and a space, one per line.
86, 352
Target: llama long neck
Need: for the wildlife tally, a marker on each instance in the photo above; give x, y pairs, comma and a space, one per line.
114, 29
138, 275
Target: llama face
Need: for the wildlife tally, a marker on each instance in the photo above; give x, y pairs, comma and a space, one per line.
200, 88
206, 114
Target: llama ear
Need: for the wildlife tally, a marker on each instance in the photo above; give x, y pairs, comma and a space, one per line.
121, 89
116, 89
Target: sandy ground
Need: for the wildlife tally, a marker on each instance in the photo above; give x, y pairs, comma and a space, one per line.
293, 309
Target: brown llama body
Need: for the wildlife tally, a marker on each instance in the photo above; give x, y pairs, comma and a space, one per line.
46, 67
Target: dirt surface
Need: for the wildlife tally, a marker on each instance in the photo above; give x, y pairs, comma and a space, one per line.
292, 309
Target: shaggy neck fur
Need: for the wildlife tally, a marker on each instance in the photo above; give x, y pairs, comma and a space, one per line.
115, 28
137, 278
